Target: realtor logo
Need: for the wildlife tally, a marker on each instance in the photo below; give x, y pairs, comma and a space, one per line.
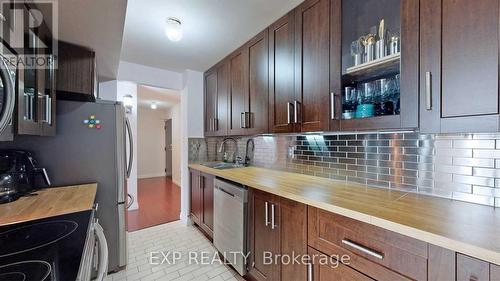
29, 31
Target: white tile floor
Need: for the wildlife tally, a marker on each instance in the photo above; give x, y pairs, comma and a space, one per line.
171, 237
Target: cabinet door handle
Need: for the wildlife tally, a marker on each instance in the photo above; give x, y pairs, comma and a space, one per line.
247, 120
216, 124
273, 225
289, 105
428, 90
266, 219
310, 270
363, 249
332, 106
242, 122
296, 105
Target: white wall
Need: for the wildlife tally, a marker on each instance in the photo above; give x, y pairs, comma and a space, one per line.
193, 81
174, 113
150, 76
191, 126
108, 90
151, 142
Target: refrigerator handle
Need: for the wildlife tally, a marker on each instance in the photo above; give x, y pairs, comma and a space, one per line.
131, 148
131, 201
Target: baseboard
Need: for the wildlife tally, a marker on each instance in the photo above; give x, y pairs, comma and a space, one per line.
154, 175
177, 183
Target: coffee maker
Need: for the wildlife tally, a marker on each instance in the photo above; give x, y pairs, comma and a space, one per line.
18, 174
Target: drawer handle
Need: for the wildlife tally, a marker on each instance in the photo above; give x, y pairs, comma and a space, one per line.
428, 90
266, 219
363, 249
273, 225
310, 270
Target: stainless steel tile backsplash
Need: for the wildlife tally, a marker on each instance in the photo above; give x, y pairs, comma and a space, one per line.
464, 167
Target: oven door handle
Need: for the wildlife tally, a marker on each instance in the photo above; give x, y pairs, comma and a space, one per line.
103, 252
8, 84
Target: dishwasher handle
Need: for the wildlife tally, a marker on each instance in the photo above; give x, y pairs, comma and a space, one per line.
225, 191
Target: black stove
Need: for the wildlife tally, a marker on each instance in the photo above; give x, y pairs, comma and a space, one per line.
44, 250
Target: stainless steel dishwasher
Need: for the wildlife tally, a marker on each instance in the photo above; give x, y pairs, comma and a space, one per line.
230, 222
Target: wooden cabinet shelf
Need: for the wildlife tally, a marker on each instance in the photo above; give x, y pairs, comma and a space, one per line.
378, 68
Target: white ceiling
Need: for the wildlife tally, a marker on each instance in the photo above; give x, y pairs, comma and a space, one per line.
97, 24
211, 28
164, 98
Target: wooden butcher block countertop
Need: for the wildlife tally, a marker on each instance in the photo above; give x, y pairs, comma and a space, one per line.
459, 226
49, 202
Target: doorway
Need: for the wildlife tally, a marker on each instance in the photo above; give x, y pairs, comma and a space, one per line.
168, 148
158, 138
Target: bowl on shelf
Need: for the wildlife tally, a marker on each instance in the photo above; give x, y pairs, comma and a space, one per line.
365, 110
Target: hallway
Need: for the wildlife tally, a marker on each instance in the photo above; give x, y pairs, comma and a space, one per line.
159, 202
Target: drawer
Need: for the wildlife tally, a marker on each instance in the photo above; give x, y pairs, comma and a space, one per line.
471, 269
376, 252
320, 271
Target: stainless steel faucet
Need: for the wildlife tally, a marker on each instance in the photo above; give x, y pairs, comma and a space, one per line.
247, 157
222, 147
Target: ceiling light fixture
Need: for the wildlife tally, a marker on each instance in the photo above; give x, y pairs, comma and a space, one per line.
173, 30
154, 105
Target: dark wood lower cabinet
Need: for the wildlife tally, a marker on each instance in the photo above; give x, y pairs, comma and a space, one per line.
376, 252
323, 268
441, 264
264, 237
471, 269
494, 272
207, 201
195, 196
277, 229
202, 200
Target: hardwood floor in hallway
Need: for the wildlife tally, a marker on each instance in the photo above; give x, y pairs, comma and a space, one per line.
159, 202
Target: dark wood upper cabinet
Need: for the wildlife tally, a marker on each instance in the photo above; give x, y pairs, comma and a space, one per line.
256, 119
312, 65
210, 100
380, 92
459, 66
238, 91
281, 74
217, 82
76, 72
36, 100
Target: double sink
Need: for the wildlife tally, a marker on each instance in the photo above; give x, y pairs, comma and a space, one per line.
222, 165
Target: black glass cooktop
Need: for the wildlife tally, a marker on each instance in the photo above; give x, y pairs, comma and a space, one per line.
44, 250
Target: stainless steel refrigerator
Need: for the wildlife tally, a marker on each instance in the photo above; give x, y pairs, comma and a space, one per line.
80, 154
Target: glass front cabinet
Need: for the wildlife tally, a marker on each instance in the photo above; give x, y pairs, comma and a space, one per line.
378, 83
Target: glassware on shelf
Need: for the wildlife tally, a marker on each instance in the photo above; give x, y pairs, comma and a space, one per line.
369, 46
349, 103
357, 51
381, 45
397, 94
394, 44
365, 107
